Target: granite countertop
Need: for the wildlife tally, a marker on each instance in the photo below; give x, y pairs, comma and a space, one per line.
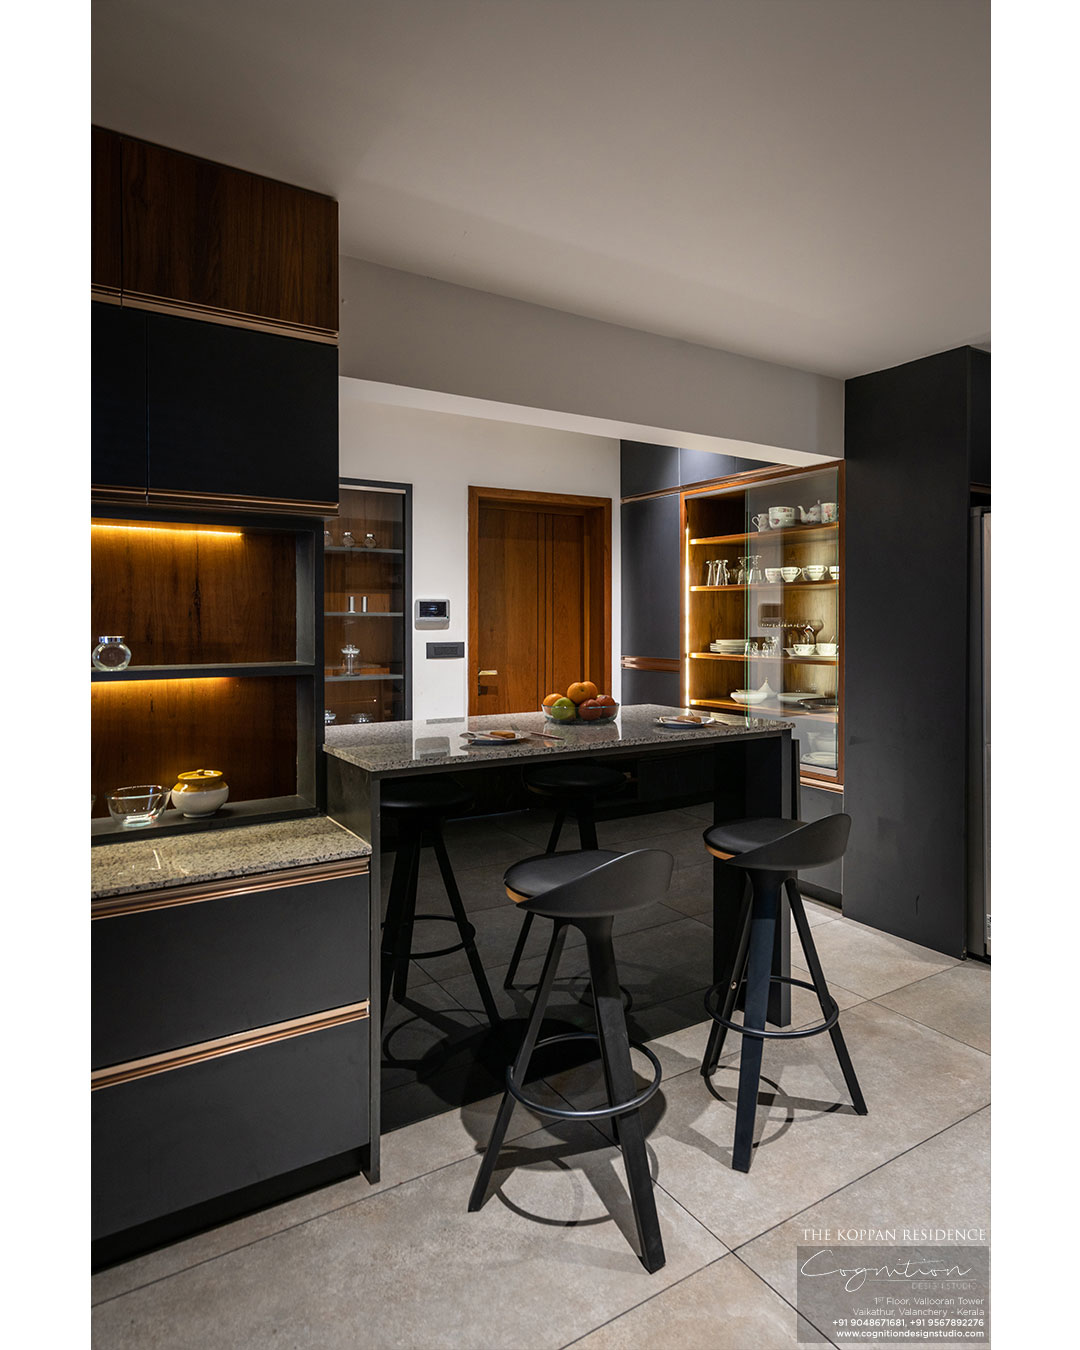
147, 863
391, 747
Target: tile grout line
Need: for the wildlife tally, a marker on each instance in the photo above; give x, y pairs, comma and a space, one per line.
926, 1025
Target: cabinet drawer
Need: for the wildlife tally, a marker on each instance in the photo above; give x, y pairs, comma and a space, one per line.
184, 973
193, 1133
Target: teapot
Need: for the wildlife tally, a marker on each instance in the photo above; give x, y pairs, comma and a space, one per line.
811, 517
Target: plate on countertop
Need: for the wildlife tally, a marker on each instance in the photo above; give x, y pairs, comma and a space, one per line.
495, 738
677, 722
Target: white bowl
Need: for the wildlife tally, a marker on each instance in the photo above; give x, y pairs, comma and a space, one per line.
773, 573
826, 649
791, 573
815, 572
803, 649
749, 695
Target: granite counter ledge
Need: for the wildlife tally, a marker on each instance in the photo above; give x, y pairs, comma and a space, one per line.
147, 862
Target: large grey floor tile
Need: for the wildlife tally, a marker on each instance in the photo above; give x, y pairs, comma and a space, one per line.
956, 1001
414, 1151
868, 962
723, 1307
416, 1034
691, 890
942, 1183
915, 1080
542, 1263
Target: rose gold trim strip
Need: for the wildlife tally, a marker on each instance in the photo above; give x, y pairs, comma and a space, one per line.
111, 907
126, 496
226, 1045
110, 295
231, 502
230, 318
666, 663
824, 784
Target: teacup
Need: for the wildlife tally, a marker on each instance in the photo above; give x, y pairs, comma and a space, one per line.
780, 516
828, 513
826, 649
803, 649
791, 573
834, 574
761, 521
773, 573
814, 572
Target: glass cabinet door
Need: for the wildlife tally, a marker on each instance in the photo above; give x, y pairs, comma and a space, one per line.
763, 612
364, 593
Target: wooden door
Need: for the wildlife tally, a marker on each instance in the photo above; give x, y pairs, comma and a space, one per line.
540, 610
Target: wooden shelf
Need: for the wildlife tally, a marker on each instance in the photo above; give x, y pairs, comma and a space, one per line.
106, 830
358, 551
774, 586
230, 670
787, 532
363, 614
757, 656
766, 709
340, 679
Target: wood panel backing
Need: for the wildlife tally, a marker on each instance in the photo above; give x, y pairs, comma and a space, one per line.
188, 595
149, 731
105, 211
383, 513
204, 234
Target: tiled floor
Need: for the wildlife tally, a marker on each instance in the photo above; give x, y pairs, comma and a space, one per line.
548, 1261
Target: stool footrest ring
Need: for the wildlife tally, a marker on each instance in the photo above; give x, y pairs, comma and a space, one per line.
712, 997
470, 934
600, 1113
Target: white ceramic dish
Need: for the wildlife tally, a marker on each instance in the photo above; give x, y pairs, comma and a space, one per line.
826, 648
795, 697
749, 695
802, 649
822, 759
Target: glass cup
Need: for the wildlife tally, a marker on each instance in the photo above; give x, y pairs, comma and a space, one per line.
139, 805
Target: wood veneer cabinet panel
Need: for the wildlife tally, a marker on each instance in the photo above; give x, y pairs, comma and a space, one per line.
194, 595
148, 731
204, 234
105, 211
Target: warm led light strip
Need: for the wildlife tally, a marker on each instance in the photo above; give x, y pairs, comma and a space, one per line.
173, 529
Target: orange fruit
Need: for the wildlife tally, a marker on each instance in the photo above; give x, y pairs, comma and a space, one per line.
551, 699
581, 691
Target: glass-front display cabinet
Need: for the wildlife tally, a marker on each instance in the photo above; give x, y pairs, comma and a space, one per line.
366, 604
763, 606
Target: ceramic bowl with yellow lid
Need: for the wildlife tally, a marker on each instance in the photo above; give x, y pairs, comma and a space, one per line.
200, 792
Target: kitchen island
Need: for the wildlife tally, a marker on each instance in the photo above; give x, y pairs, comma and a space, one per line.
741, 763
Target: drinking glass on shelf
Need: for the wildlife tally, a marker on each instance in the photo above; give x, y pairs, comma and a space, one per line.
744, 570
754, 575
350, 653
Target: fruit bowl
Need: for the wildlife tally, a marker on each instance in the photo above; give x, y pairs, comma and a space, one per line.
602, 714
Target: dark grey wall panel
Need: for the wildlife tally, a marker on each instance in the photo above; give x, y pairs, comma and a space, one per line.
697, 466
650, 577
816, 804
652, 686
188, 973
908, 471
980, 416
648, 468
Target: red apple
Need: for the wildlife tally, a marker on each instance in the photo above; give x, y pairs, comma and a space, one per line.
591, 710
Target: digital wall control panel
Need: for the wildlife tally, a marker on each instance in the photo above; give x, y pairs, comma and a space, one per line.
432, 614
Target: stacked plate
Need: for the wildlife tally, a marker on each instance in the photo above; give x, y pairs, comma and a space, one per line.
728, 646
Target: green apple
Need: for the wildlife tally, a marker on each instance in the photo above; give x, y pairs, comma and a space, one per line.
563, 710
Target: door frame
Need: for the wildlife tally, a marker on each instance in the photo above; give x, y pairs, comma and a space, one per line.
595, 513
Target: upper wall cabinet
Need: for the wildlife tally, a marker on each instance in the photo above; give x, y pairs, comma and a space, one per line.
191, 236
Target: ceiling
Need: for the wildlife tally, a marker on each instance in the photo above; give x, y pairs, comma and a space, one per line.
805, 181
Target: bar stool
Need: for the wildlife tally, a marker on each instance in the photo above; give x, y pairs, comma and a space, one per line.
771, 852
585, 890
575, 789
420, 805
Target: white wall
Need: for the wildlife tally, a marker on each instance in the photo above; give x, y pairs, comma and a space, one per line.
416, 333
442, 455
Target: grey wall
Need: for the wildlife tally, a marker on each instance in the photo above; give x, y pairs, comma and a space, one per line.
401, 329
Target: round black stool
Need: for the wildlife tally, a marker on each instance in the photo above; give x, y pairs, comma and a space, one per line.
586, 890
419, 806
574, 788
771, 852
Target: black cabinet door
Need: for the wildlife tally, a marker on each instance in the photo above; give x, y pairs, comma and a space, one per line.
117, 398
650, 577
238, 413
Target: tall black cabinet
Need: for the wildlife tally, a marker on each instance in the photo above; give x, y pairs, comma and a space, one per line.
918, 456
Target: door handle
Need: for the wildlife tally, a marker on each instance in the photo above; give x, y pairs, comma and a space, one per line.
481, 673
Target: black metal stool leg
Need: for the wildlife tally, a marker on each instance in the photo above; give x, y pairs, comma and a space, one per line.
556, 830
758, 971
519, 949
464, 928
406, 857
586, 823
521, 1067
611, 1028
813, 964
403, 954
731, 996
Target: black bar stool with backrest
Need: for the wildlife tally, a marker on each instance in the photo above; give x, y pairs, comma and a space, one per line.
574, 789
419, 806
771, 852
585, 890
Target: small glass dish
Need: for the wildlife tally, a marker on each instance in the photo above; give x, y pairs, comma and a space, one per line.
140, 805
